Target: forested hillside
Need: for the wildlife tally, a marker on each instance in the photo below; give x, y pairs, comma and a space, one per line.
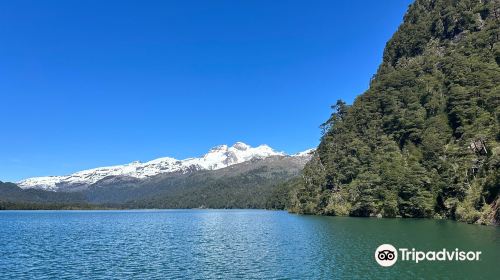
13, 197
423, 140
255, 184
258, 183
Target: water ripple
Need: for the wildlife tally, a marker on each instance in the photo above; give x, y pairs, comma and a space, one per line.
224, 244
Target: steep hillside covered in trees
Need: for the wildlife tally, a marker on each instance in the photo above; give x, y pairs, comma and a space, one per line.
423, 140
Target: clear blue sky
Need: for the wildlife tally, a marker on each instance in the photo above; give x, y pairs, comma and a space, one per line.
92, 83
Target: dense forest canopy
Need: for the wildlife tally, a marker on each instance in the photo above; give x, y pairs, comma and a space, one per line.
423, 140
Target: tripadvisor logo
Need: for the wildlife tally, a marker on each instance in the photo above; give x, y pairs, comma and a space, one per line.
387, 255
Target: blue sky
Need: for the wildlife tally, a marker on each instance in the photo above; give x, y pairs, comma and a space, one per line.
94, 83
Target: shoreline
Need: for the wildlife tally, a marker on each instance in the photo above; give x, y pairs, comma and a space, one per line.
233, 209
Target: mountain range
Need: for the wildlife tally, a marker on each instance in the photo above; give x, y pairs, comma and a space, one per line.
225, 173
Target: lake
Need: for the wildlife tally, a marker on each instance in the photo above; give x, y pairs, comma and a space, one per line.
231, 244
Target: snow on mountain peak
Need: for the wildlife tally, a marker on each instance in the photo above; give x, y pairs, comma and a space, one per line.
307, 152
218, 157
241, 146
218, 148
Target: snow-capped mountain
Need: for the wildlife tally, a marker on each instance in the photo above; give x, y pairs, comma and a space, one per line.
218, 157
306, 153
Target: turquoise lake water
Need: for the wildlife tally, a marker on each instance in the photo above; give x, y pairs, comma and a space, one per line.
231, 244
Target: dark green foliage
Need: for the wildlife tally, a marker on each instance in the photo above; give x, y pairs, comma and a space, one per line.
423, 140
14, 198
9, 205
279, 198
11, 192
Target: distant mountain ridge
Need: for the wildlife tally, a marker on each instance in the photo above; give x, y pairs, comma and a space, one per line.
217, 158
226, 177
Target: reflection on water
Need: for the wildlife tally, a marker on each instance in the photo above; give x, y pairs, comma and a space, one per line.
231, 244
